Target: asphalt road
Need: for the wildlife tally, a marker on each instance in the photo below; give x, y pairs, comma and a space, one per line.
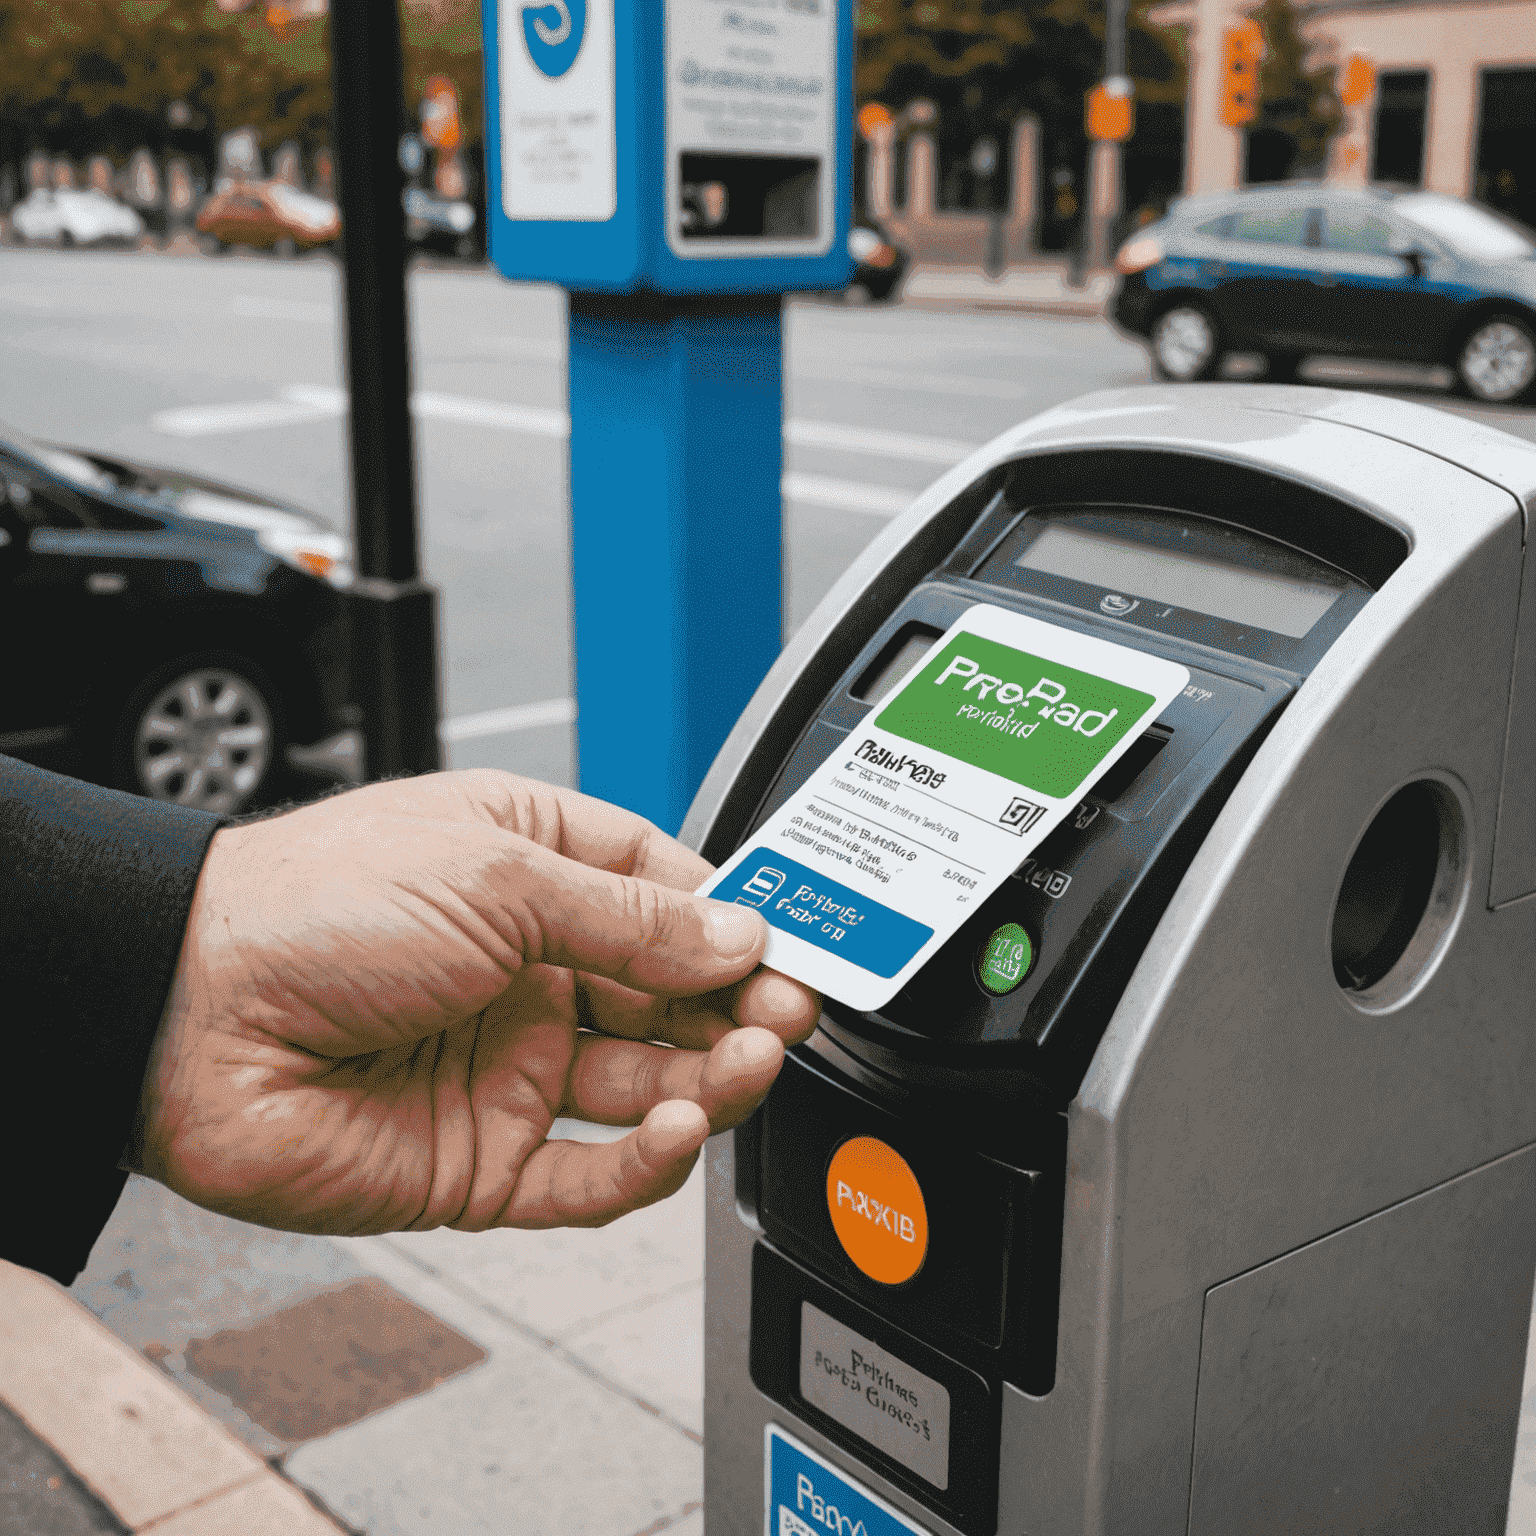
231, 368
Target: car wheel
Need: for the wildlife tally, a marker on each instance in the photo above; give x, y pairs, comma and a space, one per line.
1497, 362
206, 732
1186, 344
285, 249
1281, 367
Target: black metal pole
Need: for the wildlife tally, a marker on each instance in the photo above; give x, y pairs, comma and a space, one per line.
394, 622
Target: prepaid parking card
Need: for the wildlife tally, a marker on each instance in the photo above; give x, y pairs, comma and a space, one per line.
937, 796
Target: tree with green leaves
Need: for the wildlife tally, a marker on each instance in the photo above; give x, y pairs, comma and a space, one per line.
1299, 108
79, 77
985, 63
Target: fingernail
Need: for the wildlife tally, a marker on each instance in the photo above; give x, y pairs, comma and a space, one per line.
777, 997
732, 931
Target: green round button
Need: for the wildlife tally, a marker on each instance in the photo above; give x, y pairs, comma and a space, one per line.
1005, 959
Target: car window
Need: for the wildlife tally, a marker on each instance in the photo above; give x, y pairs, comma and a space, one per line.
1360, 230
1215, 228
1473, 231
1274, 226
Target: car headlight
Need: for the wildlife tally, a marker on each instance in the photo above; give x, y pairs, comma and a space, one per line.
326, 555
861, 242
1139, 254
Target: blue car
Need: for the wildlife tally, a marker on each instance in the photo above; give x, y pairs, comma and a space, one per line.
1373, 272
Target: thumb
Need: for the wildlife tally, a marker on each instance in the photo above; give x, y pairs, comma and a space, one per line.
644, 935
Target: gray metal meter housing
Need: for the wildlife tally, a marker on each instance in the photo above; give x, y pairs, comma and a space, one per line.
1281, 1257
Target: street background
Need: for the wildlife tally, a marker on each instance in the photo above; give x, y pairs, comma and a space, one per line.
548, 1382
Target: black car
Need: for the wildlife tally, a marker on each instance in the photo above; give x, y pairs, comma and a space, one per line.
1375, 272
880, 264
447, 225
167, 634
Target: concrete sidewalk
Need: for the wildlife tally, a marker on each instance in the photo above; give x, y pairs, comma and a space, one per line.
1040, 288
206, 1376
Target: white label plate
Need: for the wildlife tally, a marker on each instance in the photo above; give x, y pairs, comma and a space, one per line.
751, 77
559, 158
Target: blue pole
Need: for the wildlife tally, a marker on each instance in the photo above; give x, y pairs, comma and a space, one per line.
676, 456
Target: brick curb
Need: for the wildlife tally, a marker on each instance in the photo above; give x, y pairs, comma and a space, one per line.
144, 1448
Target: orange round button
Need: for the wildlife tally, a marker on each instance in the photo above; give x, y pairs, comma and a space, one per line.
877, 1210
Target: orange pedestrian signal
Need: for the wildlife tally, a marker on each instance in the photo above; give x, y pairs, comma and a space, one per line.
1359, 82
1110, 114
1242, 51
874, 119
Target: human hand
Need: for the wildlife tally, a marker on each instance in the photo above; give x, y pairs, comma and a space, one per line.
385, 998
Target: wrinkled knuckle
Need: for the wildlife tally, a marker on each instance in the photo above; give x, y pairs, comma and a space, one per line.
653, 915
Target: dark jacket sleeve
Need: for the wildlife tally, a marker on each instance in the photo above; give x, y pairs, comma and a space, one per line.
95, 888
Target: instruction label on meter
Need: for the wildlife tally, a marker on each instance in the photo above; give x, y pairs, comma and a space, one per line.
937, 796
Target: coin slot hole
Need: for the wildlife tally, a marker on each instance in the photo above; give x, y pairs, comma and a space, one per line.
900, 654
1139, 756
1400, 894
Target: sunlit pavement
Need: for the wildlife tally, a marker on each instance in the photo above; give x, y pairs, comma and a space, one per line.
550, 1381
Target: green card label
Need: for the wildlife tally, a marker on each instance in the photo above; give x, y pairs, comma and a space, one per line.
1037, 723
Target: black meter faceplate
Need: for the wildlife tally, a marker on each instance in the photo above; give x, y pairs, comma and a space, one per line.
1089, 897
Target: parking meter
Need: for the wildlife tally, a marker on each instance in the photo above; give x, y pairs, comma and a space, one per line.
678, 167
1191, 1184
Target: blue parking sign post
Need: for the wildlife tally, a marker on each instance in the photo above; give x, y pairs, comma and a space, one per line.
678, 166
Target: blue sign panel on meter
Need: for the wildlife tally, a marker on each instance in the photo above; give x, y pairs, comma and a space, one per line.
680, 146
808, 1496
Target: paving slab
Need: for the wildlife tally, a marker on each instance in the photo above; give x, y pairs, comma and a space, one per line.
525, 1443
165, 1274
559, 1281
656, 1350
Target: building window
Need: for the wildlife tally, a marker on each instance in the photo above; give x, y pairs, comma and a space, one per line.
1506, 143
1402, 103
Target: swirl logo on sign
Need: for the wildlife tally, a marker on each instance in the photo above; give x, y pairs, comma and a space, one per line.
553, 33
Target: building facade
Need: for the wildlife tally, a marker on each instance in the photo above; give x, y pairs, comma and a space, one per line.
1454, 109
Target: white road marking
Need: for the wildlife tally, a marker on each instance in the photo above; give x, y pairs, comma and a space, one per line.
846, 495
502, 722
330, 398
538, 420
541, 421
239, 416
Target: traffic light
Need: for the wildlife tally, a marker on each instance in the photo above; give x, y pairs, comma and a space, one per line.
1359, 82
1242, 51
1110, 116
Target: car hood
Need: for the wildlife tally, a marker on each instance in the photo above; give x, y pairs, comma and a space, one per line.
154, 489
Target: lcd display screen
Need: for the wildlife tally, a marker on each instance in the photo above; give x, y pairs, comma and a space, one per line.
1285, 605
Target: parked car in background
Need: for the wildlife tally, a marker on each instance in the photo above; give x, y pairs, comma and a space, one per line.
269, 215
880, 264
447, 225
165, 634
1375, 272
75, 217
